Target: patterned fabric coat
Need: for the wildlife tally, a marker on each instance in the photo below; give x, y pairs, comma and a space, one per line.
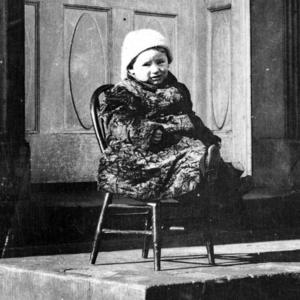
134, 166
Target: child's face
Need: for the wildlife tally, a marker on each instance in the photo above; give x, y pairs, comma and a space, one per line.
151, 66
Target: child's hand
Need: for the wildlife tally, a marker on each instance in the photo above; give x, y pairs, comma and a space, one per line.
157, 136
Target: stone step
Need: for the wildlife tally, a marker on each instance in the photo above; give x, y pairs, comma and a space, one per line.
269, 270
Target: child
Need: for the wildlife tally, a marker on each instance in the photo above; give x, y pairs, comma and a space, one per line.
156, 144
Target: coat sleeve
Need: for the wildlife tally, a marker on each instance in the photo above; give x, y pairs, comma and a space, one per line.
124, 121
177, 124
201, 132
190, 125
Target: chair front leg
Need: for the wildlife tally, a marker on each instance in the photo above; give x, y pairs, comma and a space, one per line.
97, 237
211, 179
147, 238
210, 251
156, 235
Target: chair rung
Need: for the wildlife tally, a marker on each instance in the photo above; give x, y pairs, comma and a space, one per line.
176, 228
119, 231
128, 206
131, 214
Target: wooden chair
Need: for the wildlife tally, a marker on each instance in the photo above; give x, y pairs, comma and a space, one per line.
150, 210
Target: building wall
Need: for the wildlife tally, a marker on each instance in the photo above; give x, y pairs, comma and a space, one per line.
274, 156
14, 152
267, 74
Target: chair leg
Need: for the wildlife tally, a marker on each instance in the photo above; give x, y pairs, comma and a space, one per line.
211, 180
156, 235
210, 251
97, 237
147, 238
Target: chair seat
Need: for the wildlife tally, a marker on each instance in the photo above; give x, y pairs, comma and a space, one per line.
131, 201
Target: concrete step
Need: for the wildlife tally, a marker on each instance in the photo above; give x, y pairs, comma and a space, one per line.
268, 270
62, 219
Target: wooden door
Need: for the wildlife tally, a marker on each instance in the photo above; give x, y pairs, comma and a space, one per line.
223, 76
72, 47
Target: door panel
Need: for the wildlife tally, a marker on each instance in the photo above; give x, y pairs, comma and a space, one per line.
219, 74
86, 47
227, 76
31, 66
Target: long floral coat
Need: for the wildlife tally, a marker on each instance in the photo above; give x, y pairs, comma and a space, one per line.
134, 166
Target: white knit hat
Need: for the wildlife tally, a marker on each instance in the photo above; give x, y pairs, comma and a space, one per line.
138, 41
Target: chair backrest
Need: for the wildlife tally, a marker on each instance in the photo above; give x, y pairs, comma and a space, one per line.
96, 117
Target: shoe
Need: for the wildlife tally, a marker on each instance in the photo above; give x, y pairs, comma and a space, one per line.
213, 159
